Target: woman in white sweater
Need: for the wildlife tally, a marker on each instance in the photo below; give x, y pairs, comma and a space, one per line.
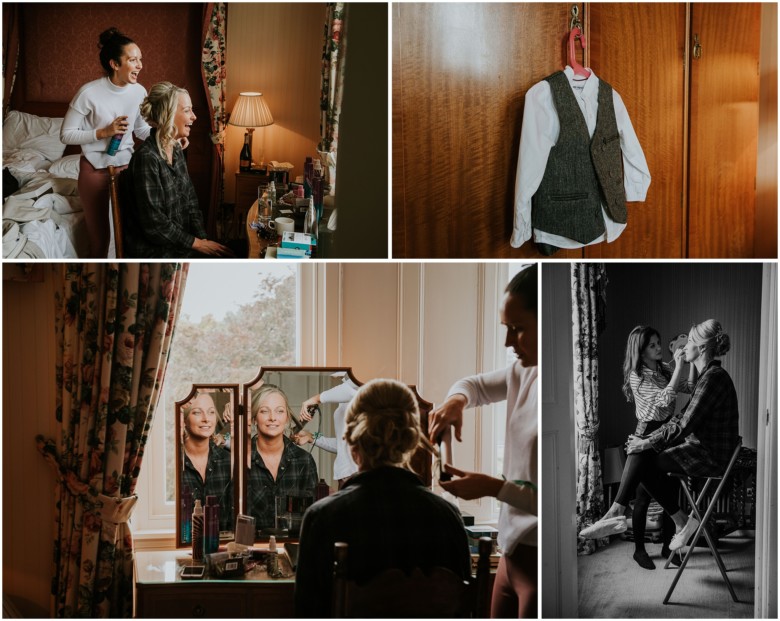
102, 109
515, 589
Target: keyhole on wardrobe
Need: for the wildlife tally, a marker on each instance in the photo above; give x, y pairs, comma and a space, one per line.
696, 47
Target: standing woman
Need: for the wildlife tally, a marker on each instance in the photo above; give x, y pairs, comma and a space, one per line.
515, 587
652, 386
101, 109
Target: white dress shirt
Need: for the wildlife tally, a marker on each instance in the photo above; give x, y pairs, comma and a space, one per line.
540, 133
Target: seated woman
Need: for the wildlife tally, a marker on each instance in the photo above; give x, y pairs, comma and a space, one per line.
699, 441
160, 211
278, 467
384, 512
207, 469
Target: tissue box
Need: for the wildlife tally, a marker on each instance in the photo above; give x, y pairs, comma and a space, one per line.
302, 241
292, 253
475, 532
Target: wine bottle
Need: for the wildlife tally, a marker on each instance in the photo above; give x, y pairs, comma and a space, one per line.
245, 159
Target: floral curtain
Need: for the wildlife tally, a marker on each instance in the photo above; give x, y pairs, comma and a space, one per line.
214, 75
588, 285
334, 52
11, 46
114, 324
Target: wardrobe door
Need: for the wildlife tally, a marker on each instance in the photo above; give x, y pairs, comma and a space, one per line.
460, 74
724, 129
638, 48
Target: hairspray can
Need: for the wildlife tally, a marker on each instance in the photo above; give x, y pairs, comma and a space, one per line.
211, 538
113, 146
186, 515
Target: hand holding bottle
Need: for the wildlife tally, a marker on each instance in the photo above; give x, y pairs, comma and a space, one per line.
118, 126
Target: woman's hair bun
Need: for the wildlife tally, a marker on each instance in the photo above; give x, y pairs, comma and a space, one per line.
722, 343
107, 35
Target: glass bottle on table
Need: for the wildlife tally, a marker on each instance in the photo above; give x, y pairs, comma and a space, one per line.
245, 159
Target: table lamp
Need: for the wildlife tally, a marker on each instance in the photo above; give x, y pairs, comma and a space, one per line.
251, 111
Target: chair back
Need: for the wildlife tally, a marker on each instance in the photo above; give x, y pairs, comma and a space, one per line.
113, 189
437, 592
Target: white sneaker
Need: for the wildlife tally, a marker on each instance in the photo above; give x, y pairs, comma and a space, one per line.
605, 527
684, 534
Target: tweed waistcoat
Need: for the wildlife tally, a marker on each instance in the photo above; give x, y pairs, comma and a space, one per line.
582, 172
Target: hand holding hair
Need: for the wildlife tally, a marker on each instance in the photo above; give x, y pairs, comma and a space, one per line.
471, 485
450, 413
305, 415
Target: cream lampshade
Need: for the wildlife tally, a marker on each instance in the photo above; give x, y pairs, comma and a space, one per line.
251, 111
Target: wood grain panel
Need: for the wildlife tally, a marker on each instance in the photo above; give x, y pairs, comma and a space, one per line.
638, 48
460, 73
724, 129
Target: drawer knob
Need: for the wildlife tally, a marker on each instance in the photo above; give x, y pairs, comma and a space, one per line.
199, 611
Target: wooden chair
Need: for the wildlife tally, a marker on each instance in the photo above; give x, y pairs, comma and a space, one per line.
395, 594
702, 529
113, 189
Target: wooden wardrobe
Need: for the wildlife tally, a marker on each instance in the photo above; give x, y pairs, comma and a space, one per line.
460, 73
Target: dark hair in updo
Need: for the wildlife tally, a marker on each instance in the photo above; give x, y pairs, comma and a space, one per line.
523, 285
112, 45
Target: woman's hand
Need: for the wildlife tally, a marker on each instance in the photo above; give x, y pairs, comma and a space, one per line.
449, 413
303, 437
184, 142
227, 413
211, 248
305, 414
118, 126
471, 485
679, 356
635, 444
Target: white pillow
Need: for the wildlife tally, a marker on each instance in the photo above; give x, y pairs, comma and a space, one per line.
27, 131
66, 167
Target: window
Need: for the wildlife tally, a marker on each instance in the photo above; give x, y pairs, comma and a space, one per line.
234, 318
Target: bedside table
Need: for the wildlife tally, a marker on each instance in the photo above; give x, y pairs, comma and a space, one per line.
246, 194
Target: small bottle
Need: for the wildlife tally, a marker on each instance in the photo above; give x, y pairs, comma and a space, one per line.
317, 183
308, 173
211, 536
186, 514
310, 223
197, 532
272, 562
113, 145
245, 159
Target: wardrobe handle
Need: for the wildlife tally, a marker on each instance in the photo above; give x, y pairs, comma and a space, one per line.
696, 47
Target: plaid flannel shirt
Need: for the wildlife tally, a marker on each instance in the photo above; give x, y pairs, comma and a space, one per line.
702, 437
219, 483
160, 211
297, 476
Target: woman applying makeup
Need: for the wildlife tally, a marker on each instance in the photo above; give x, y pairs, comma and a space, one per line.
102, 109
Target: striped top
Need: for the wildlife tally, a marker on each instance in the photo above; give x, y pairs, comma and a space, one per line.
653, 396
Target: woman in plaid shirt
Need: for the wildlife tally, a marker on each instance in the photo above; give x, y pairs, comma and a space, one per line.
698, 441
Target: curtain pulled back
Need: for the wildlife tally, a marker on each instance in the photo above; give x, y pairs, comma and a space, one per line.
114, 324
588, 284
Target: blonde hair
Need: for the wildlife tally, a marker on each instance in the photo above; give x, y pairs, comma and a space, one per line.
259, 395
383, 425
158, 109
710, 334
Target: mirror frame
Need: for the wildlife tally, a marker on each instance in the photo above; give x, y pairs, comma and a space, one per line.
422, 461
235, 456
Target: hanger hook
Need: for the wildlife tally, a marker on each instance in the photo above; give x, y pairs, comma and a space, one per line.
575, 19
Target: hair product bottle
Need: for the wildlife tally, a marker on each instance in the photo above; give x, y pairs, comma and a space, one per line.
211, 538
197, 532
186, 514
113, 146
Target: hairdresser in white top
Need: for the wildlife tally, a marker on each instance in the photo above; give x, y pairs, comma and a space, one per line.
101, 109
515, 589
344, 466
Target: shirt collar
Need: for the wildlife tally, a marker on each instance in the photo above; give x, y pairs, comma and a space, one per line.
591, 84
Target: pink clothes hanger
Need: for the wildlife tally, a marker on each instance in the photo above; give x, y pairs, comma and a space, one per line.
575, 33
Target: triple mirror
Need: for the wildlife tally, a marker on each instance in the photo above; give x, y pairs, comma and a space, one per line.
227, 439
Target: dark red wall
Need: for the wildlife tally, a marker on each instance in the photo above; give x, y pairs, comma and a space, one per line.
59, 53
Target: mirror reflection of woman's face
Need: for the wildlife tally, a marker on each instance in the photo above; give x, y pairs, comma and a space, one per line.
271, 416
653, 351
201, 422
691, 349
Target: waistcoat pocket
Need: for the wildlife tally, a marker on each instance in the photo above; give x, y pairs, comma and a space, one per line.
569, 197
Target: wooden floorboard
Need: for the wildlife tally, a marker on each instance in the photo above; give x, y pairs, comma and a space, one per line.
611, 584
